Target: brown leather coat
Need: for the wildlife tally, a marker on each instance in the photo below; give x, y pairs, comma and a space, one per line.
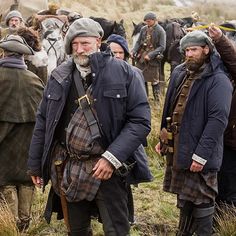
227, 51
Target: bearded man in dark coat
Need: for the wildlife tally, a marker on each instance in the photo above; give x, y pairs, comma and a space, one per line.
194, 118
21, 92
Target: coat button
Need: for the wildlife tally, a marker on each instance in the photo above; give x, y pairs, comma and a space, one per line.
49, 96
118, 95
93, 74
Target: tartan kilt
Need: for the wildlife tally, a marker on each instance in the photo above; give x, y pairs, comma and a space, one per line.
191, 186
150, 71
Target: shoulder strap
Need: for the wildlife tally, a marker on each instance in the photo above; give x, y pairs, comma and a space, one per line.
84, 105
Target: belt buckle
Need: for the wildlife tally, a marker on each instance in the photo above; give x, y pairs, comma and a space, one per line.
174, 129
83, 97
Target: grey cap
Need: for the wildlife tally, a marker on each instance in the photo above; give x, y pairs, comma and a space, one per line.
15, 43
83, 27
195, 38
11, 14
150, 16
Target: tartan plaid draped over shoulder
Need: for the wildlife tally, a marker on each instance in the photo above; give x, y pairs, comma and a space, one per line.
78, 183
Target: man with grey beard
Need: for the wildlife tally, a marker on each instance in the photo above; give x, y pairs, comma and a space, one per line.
90, 127
194, 118
13, 21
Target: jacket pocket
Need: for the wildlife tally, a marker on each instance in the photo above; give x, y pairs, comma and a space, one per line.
116, 92
115, 98
53, 104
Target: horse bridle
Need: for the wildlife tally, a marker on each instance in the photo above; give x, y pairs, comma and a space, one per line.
52, 42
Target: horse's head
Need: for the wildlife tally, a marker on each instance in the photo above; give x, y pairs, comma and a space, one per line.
119, 28
52, 41
136, 32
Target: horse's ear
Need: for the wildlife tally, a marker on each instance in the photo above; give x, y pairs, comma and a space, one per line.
134, 24
122, 21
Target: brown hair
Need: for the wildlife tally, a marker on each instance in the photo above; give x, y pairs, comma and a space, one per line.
31, 37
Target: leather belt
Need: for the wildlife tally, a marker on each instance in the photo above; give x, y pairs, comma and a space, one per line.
82, 157
79, 157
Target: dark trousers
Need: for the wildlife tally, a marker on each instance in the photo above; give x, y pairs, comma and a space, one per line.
110, 205
79, 214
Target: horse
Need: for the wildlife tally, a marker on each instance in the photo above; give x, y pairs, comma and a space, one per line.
53, 42
136, 32
110, 27
50, 31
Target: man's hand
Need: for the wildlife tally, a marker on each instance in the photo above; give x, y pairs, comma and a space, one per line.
147, 58
196, 167
37, 181
158, 148
214, 32
103, 169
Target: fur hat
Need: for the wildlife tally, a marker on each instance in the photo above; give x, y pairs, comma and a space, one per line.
195, 38
15, 43
11, 14
150, 16
83, 27
115, 38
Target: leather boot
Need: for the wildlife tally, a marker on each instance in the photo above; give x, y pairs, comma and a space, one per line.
203, 221
185, 220
156, 91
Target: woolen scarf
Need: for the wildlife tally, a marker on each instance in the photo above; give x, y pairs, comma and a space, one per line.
13, 62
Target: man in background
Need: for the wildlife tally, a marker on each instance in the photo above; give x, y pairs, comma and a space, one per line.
21, 92
148, 52
13, 21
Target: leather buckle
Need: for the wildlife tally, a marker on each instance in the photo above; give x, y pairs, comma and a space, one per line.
81, 98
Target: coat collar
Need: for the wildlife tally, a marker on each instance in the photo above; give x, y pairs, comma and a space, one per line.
98, 60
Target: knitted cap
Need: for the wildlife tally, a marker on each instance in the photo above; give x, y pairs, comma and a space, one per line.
83, 27
150, 16
11, 14
115, 38
195, 38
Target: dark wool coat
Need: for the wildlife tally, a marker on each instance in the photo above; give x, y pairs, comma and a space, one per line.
21, 92
205, 116
121, 105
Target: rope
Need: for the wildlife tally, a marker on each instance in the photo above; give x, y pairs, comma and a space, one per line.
199, 27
